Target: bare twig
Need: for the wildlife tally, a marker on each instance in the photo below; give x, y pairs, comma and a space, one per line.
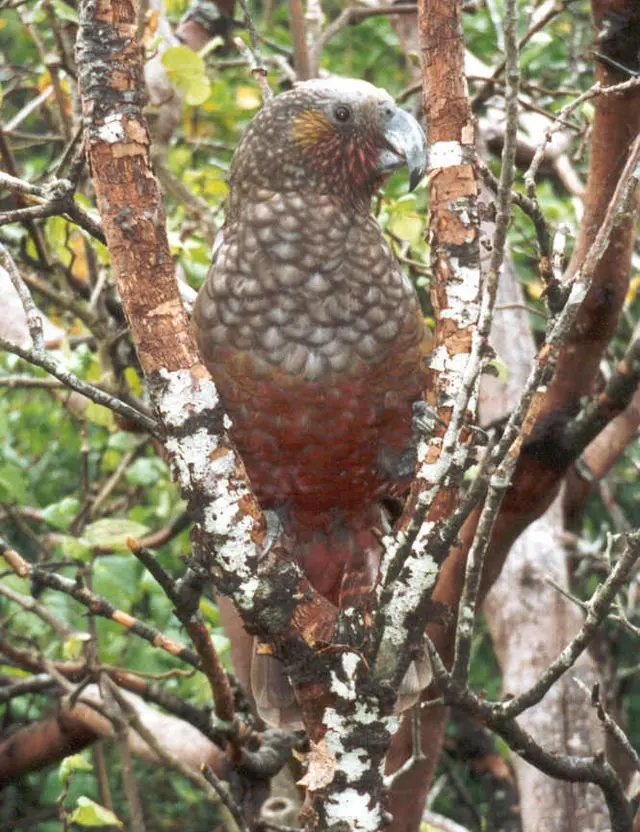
597, 609
185, 597
612, 728
33, 317
349, 16
167, 757
97, 604
29, 603
252, 54
225, 797
560, 766
500, 480
69, 379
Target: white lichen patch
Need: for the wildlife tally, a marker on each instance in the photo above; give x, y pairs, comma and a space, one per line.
423, 534
353, 805
466, 620
466, 286
345, 689
112, 130
354, 808
578, 293
202, 465
439, 358
244, 597
354, 764
185, 397
418, 575
445, 155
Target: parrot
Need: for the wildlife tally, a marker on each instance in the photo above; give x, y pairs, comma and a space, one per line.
313, 334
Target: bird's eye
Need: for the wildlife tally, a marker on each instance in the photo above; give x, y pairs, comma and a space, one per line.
342, 112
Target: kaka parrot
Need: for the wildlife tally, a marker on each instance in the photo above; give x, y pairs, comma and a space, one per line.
313, 334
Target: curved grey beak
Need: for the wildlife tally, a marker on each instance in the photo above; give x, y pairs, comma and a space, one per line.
406, 146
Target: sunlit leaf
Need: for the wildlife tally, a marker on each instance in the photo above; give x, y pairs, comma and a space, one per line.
75, 762
60, 514
88, 813
73, 646
100, 415
407, 227
186, 69
247, 98
112, 532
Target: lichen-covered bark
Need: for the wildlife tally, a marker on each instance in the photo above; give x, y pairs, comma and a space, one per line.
230, 536
456, 297
543, 460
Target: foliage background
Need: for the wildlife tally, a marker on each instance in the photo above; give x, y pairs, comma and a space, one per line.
54, 457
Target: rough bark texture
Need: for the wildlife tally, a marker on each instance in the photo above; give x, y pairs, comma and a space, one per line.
544, 459
531, 622
563, 721
456, 292
346, 773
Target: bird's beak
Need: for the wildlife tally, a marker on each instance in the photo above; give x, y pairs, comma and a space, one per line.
406, 146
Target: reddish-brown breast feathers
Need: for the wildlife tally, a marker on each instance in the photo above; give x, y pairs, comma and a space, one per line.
316, 341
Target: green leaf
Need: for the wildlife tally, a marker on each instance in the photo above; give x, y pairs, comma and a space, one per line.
406, 226
209, 611
72, 646
112, 532
89, 813
198, 91
497, 367
117, 577
13, 484
145, 472
60, 514
211, 46
75, 548
100, 415
76, 762
186, 70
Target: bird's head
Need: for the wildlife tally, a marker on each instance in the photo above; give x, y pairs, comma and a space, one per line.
338, 136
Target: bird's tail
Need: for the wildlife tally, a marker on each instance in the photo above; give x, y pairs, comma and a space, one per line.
342, 563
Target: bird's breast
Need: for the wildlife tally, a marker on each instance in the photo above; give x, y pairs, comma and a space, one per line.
317, 343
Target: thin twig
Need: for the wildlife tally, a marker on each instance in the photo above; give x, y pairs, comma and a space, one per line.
97, 604
29, 603
166, 756
225, 797
33, 317
252, 54
69, 379
185, 596
597, 608
560, 766
500, 480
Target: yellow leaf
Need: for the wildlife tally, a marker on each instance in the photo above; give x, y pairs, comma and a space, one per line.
535, 289
407, 227
247, 98
133, 380
634, 286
